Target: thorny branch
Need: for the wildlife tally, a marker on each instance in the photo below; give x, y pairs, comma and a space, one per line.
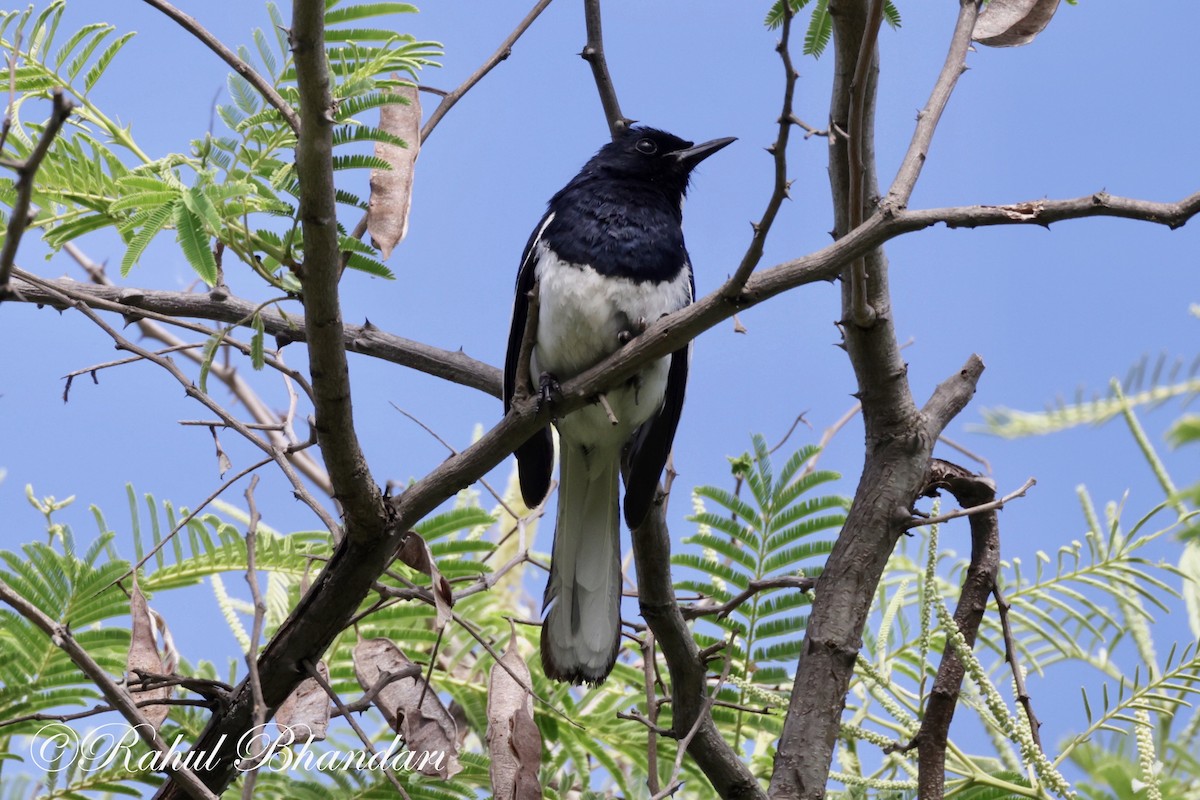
279, 431
778, 151
231, 58
593, 53
502, 53
349, 574
26, 171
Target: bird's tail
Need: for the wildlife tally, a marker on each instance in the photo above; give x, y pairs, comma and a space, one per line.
582, 630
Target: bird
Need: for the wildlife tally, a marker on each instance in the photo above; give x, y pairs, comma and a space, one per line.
608, 259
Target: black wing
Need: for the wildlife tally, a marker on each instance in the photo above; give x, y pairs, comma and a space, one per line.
647, 451
535, 458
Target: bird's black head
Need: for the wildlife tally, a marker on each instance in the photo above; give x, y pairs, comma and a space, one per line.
649, 154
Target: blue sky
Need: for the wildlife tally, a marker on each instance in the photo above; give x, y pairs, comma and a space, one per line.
1102, 100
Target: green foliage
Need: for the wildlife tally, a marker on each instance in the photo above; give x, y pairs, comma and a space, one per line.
233, 194
775, 531
820, 24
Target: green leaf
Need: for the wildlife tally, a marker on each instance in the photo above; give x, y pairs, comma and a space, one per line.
775, 15
105, 59
244, 95
195, 243
154, 222
93, 41
891, 15
370, 266
820, 30
199, 204
207, 356
351, 13
256, 342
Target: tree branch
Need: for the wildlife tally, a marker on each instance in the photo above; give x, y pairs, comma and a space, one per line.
971, 491
116, 696
927, 120
366, 339
778, 151
26, 171
593, 53
231, 58
502, 53
862, 312
353, 485
690, 710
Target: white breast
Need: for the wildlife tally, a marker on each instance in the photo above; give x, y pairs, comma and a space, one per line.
581, 316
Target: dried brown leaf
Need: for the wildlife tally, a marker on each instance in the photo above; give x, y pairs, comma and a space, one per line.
144, 655
414, 552
414, 712
1010, 23
306, 711
391, 190
514, 742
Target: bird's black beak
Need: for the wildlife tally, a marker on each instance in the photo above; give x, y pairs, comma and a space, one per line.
692, 156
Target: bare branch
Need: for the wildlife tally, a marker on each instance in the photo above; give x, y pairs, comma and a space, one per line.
801, 582
116, 696
863, 313
778, 151
690, 711
26, 171
927, 120
167, 307
1010, 655
353, 486
593, 53
502, 53
231, 58
993, 505
975, 491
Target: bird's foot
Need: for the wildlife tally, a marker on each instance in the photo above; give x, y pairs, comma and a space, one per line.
634, 329
548, 390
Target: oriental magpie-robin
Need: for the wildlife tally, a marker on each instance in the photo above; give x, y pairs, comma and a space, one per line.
608, 258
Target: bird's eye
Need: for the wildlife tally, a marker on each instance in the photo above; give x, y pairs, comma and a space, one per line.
646, 146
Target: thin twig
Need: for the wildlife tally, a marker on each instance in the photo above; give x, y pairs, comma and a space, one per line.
918, 149
978, 459
916, 522
20, 216
315, 674
778, 150
827, 437
801, 582
502, 52
1010, 655
61, 636
276, 454
453, 451
593, 53
231, 58
648, 677
260, 613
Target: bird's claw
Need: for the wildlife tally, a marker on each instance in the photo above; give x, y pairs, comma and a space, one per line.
634, 329
548, 390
